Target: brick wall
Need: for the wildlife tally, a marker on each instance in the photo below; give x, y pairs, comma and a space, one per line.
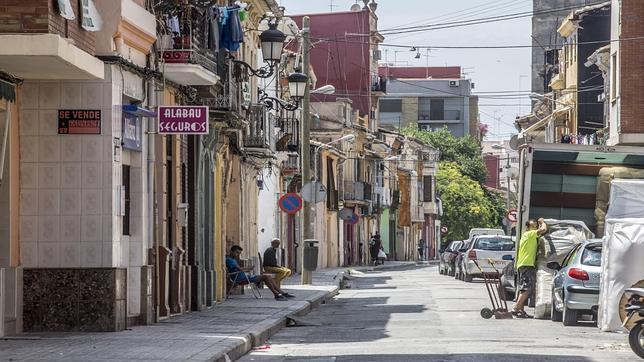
632, 67
41, 16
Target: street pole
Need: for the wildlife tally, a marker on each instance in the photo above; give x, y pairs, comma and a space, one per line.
307, 229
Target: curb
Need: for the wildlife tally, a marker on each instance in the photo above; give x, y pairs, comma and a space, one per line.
262, 331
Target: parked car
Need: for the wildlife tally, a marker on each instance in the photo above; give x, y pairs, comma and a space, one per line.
458, 259
575, 286
447, 258
485, 231
486, 249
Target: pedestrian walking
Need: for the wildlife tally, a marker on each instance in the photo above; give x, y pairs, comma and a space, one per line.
525, 264
375, 244
421, 249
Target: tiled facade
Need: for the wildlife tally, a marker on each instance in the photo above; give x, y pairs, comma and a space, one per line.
70, 185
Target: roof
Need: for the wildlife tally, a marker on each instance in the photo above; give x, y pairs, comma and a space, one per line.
450, 72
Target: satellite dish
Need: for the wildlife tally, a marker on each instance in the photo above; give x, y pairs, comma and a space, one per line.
289, 27
514, 142
355, 7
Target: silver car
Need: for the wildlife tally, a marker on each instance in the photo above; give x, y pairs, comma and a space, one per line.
575, 287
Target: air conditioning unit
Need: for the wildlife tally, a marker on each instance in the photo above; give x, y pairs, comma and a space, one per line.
453, 83
377, 54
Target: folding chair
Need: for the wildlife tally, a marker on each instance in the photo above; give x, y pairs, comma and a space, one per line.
234, 283
261, 268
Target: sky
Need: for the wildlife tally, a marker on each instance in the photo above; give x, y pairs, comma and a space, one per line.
491, 70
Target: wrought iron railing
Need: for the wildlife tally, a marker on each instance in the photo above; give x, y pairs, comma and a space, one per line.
288, 136
258, 133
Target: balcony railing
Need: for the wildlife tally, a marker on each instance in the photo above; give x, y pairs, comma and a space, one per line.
357, 191
229, 99
190, 56
258, 133
291, 164
379, 84
288, 136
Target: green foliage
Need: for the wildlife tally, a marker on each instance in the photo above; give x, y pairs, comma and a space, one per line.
464, 151
459, 181
465, 203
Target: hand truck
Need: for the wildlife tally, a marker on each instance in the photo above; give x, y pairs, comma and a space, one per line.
493, 286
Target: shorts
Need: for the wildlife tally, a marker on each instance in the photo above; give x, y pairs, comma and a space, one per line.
241, 278
527, 278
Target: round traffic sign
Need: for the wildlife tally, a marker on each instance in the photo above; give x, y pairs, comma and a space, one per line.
290, 203
345, 214
444, 230
513, 215
313, 192
353, 219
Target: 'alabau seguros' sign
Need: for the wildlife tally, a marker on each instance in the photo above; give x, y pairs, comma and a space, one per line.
183, 119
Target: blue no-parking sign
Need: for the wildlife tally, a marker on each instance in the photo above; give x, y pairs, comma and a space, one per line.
290, 203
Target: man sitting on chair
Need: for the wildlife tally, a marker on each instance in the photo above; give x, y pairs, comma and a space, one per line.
272, 266
241, 275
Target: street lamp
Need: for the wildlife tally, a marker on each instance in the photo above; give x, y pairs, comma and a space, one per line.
297, 83
272, 44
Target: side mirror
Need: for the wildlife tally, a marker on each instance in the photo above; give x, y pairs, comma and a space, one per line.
553, 265
508, 257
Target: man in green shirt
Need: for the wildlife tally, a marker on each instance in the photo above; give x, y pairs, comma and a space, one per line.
525, 263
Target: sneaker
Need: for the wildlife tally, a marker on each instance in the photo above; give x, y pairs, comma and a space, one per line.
288, 295
280, 297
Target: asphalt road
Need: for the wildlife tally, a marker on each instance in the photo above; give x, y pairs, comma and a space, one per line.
414, 314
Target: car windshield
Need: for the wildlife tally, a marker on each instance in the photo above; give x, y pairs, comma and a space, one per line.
494, 244
592, 256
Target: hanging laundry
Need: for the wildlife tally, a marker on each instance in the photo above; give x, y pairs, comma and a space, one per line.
211, 28
231, 32
173, 24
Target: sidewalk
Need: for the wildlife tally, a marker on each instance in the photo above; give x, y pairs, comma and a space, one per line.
225, 332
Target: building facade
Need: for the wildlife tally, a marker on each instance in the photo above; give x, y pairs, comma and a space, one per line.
430, 104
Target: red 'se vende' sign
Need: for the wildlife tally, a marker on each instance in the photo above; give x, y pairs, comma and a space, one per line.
183, 119
79, 121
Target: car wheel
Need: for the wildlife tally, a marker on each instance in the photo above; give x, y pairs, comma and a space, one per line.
555, 315
569, 315
440, 270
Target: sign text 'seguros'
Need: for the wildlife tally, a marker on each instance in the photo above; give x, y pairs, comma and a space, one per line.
183, 120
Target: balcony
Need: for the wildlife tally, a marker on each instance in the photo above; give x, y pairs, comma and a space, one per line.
445, 116
186, 57
291, 165
229, 99
288, 136
379, 85
357, 191
46, 46
258, 133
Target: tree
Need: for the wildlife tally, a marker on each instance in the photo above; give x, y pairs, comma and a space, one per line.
465, 204
464, 151
459, 181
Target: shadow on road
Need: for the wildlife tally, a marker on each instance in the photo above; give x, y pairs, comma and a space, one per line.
474, 357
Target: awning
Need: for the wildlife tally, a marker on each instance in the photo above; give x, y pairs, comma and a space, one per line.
138, 111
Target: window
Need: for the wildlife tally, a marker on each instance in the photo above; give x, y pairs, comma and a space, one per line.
126, 197
437, 109
592, 255
494, 244
391, 105
427, 189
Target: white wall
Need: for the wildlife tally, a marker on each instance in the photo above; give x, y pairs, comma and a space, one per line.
267, 212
